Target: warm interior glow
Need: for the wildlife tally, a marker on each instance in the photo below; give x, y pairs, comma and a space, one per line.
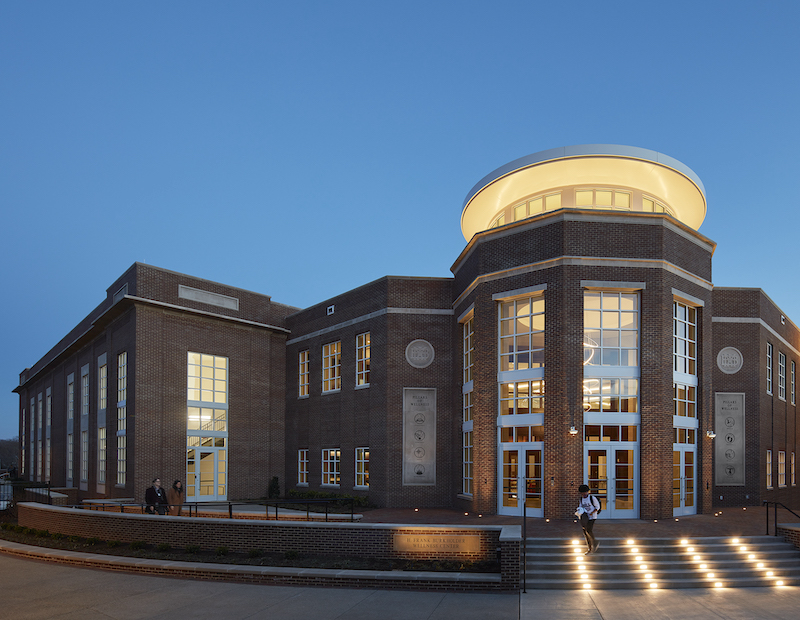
502, 192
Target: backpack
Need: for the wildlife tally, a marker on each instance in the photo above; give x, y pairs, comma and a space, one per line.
596, 504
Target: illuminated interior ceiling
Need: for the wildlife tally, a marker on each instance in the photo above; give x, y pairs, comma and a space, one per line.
597, 165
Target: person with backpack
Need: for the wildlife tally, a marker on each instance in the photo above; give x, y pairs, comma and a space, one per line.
588, 509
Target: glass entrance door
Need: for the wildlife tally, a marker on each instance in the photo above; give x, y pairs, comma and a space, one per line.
683, 482
521, 480
206, 474
612, 475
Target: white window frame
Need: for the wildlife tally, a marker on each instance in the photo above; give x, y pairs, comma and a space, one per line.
331, 467
70, 457
769, 469
689, 401
122, 419
467, 455
332, 367
793, 383
769, 368
84, 473
781, 468
684, 344
468, 334
102, 454
47, 459
102, 387
781, 375
303, 374
792, 471
607, 309
48, 407
122, 460
71, 400
302, 467
362, 468
362, 359
510, 330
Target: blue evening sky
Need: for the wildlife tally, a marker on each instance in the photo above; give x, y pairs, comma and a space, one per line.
300, 149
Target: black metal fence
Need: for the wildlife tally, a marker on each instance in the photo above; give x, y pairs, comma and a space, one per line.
12, 492
292, 508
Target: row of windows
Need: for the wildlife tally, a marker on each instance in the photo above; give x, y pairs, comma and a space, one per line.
781, 375
331, 461
44, 458
781, 469
585, 198
332, 366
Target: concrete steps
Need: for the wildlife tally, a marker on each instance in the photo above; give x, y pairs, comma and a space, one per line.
620, 563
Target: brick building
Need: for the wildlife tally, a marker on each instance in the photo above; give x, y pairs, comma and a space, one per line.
580, 339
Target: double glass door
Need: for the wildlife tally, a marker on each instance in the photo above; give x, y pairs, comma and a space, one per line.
612, 475
207, 472
521, 480
683, 481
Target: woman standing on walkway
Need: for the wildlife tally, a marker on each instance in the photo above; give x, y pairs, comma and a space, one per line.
175, 498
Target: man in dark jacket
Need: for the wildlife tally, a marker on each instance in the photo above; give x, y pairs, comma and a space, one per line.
156, 499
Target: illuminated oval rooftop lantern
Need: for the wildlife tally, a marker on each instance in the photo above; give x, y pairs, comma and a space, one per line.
589, 176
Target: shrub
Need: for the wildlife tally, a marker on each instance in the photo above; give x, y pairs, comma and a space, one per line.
291, 555
5, 526
359, 501
93, 540
163, 547
73, 538
192, 548
254, 553
221, 551
274, 490
113, 543
41, 533
57, 535
137, 544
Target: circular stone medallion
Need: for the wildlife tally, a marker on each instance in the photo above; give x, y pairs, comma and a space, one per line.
730, 360
419, 353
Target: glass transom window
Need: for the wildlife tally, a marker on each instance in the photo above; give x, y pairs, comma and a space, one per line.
522, 397
611, 395
684, 338
362, 359
611, 328
522, 334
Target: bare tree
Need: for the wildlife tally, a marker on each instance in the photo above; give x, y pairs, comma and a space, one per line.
9, 453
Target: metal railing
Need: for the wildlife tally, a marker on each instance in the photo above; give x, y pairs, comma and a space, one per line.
12, 492
775, 514
194, 508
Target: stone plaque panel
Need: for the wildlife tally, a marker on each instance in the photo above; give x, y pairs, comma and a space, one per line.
419, 436
729, 442
427, 543
730, 360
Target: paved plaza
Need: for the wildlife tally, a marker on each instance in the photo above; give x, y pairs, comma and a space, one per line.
37, 590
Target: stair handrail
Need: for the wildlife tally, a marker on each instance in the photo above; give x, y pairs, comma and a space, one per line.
775, 513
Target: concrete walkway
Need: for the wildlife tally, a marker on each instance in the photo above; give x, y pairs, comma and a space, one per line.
39, 590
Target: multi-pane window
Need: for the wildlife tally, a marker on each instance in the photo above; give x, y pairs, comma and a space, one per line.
362, 359
469, 347
47, 459
793, 384
332, 367
102, 386
781, 375
70, 400
39, 460
611, 395
84, 456
207, 378
610, 432
468, 407
781, 468
101, 455
302, 468
48, 408
653, 206
524, 434
769, 469
122, 455
302, 374
39, 412
684, 338
536, 206
792, 471
207, 419
611, 328
466, 473
122, 376
85, 394
685, 400
331, 459
522, 334
602, 199
521, 397
70, 457
769, 368
684, 435
362, 467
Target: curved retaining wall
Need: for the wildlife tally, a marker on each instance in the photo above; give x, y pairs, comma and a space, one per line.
392, 541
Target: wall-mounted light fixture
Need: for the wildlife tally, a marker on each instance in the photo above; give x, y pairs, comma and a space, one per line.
573, 430
711, 434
